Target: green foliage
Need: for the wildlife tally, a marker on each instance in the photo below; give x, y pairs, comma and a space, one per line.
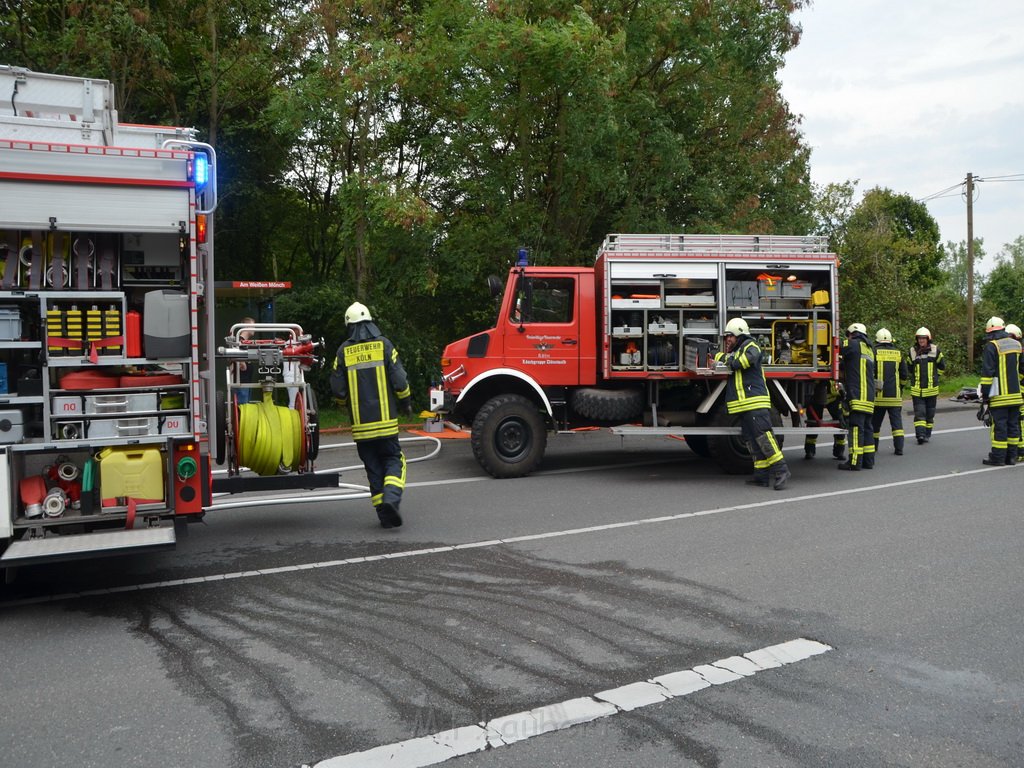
399, 153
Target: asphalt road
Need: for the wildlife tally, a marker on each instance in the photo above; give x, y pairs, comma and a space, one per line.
276, 636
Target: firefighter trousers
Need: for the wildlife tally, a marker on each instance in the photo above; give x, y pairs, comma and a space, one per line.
924, 417
757, 431
895, 423
385, 469
862, 442
1005, 434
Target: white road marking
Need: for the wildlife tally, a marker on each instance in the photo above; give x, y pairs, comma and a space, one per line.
509, 729
776, 501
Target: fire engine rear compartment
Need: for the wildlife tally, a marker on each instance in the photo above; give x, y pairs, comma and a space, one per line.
106, 333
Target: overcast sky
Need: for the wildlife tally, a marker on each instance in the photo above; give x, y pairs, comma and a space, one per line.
912, 95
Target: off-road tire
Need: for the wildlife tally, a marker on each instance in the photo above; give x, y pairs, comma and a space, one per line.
612, 405
699, 445
509, 436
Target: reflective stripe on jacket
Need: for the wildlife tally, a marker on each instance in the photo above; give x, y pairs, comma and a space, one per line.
890, 375
926, 367
858, 369
1000, 370
746, 389
369, 378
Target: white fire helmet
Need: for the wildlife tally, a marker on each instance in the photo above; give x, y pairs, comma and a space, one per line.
357, 313
857, 328
994, 324
883, 336
736, 327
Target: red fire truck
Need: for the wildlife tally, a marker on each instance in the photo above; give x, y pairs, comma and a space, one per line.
108, 348
630, 343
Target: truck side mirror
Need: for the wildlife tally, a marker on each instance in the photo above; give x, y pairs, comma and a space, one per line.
494, 285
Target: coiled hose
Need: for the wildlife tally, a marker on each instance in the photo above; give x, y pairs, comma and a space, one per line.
269, 437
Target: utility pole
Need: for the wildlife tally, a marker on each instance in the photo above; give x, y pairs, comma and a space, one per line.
970, 272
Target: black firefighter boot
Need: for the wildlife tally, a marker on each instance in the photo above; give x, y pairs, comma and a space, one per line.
760, 478
1011, 454
995, 458
782, 474
839, 449
850, 465
897, 444
809, 450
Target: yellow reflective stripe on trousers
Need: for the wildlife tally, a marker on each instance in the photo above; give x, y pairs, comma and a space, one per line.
398, 482
776, 457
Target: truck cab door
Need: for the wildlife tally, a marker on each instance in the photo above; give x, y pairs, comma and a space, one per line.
542, 329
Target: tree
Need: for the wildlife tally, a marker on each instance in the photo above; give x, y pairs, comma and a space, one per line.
890, 258
954, 265
1003, 290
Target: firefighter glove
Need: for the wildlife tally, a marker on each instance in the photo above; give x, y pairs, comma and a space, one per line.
406, 406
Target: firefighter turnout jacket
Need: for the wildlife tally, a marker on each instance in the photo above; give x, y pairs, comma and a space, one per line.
926, 366
890, 375
1000, 370
369, 378
857, 362
746, 389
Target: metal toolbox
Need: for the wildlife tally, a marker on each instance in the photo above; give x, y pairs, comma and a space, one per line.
770, 289
66, 405
139, 427
177, 424
630, 302
690, 300
701, 325
10, 323
796, 290
122, 402
741, 293
12, 427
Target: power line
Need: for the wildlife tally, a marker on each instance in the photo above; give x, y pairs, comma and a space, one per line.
941, 192
1014, 176
1001, 181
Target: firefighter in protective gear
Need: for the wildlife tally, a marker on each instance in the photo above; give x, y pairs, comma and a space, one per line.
369, 379
826, 399
1015, 332
747, 396
890, 379
857, 367
1000, 390
926, 366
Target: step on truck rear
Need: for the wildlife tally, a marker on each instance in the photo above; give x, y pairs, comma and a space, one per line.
630, 343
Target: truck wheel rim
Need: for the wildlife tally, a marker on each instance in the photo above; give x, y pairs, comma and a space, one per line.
512, 439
